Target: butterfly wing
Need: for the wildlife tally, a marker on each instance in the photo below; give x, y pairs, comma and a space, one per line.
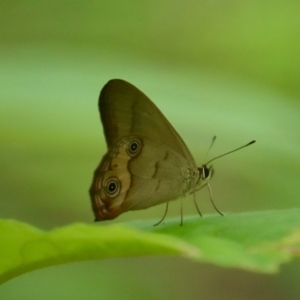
126, 181
125, 110
147, 162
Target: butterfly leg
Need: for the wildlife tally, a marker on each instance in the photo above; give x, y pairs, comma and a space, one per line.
181, 211
199, 212
211, 200
167, 206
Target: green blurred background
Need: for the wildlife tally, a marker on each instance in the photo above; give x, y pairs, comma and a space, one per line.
225, 68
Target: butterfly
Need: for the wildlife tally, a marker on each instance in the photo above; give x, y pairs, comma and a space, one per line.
147, 162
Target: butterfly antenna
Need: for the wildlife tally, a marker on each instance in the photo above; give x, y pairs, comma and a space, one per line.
211, 199
167, 207
211, 144
250, 143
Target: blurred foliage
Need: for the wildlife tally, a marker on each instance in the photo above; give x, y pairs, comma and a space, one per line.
229, 68
245, 240
254, 39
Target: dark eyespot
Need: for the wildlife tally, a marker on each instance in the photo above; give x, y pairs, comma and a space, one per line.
134, 147
112, 187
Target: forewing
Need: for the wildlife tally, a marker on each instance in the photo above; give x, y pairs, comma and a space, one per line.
126, 111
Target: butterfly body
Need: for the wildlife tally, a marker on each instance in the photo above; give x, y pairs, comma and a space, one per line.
147, 163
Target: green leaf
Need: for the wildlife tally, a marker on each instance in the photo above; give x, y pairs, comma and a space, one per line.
258, 241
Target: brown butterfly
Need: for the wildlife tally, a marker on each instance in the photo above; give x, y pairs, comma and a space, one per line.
147, 163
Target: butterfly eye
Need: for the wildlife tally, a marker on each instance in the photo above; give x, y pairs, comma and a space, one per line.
112, 187
206, 172
134, 147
